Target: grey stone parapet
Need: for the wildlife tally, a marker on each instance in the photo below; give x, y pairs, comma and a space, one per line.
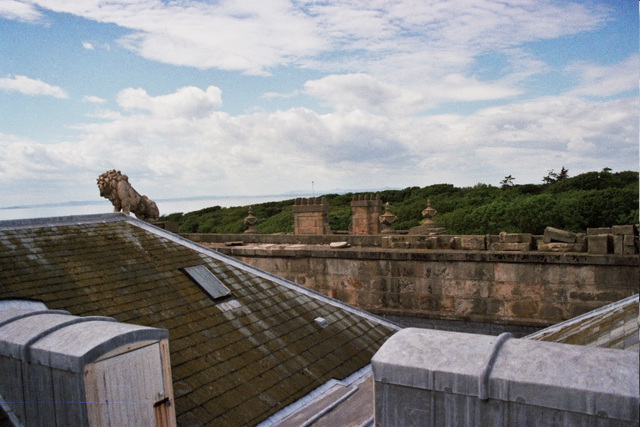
296, 250
516, 288
596, 244
436, 378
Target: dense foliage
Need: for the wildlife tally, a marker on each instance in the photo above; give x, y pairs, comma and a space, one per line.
593, 199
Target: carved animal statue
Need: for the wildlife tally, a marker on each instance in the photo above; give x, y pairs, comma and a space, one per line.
115, 186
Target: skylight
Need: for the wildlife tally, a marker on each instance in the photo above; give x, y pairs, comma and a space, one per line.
207, 281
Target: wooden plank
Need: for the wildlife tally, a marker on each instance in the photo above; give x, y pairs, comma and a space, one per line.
68, 392
11, 386
167, 380
39, 400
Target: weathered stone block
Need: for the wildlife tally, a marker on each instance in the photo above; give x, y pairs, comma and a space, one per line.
522, 247
516, 291
507, 272
473, 243
597, 231
561, 247
409, 301
515, 237
599, 243
443, 242
492, 307
630, 245
618, 243
461, 289
464, 306
522, 309
556, 235
299, 265
624, 230
456, 243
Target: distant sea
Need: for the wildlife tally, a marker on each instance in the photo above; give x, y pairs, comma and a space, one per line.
166, 206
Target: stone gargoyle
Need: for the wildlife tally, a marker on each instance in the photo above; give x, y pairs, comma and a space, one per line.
115, 186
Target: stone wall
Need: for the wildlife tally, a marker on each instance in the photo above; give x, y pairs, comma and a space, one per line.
517, 288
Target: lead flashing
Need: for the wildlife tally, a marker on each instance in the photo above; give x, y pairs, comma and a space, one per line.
543, 374
14, 224
59, 340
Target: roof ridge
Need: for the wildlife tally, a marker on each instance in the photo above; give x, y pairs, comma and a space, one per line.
13, 224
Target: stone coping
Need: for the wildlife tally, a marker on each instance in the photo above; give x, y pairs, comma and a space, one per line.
324, 251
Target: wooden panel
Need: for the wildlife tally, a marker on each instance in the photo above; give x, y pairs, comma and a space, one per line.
38, 395
122, 390
11, 386
68, 392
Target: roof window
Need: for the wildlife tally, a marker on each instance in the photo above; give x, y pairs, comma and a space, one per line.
208, 281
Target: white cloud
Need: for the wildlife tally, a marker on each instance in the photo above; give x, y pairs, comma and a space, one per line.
337, 36
607, 80
185, 102
240, 35
20, 11
272, 95
92, 45
94, 99
28, 86
384, 63
361, 91
212, 152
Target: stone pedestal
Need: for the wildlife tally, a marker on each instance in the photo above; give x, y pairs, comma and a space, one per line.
365, 211
311, 216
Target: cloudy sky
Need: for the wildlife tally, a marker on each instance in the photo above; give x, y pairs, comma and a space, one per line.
246, 97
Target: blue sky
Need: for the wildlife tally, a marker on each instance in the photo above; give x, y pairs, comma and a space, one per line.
241, 97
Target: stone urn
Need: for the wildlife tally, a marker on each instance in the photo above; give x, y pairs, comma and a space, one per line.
386, 220
250, 221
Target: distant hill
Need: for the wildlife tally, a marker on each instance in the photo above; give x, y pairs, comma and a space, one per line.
592, 199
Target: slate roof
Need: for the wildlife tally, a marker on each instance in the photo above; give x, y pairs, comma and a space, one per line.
234, 361
612, 326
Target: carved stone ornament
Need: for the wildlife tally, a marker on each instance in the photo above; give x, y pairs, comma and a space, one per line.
250, 221
387, 219
115, 186
428, 226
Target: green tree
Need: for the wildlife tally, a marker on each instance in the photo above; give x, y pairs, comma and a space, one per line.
507, 182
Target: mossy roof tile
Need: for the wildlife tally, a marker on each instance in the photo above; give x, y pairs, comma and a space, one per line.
234, 363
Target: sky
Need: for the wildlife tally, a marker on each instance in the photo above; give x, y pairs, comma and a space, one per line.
245, 97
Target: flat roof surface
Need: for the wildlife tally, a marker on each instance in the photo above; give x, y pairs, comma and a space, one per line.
234, 362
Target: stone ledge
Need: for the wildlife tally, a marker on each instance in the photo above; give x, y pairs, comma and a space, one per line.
311, 251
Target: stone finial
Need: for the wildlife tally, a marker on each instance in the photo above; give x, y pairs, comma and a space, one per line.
429, 212
115, 187
428, 226
387, 219
250, 221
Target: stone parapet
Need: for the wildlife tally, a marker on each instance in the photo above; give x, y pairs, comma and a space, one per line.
517, 288
622, 244
423, 378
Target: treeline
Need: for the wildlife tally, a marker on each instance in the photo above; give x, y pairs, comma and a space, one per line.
593, 199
